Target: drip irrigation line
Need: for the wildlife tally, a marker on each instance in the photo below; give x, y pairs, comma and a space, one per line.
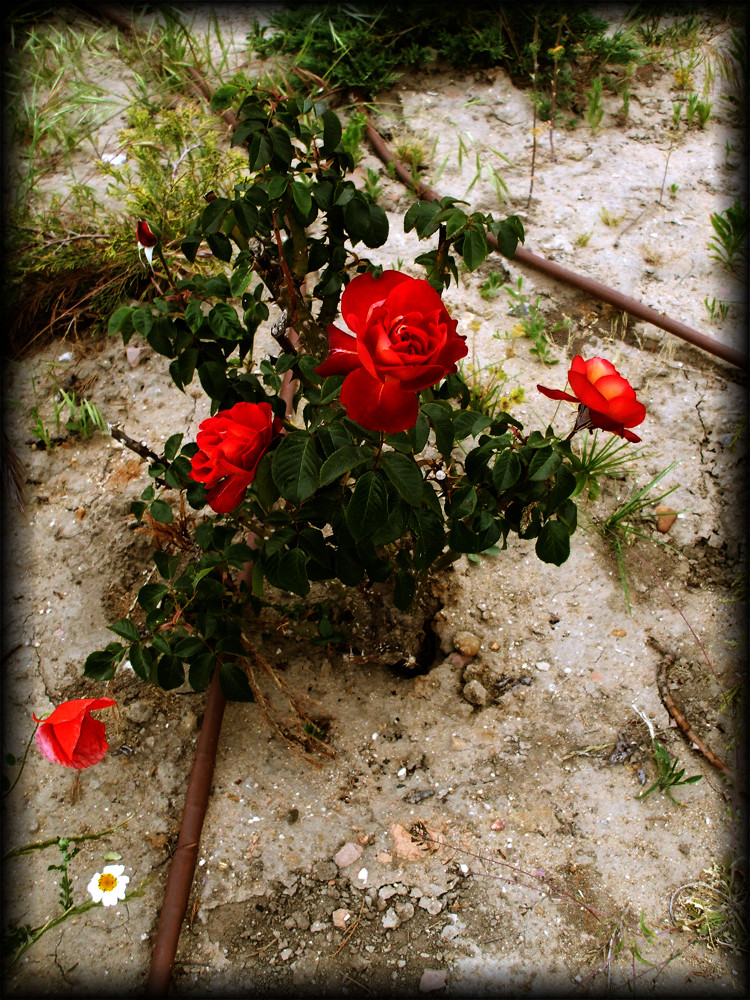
182, 868
595, 288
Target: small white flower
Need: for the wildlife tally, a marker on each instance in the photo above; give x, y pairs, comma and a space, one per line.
116, 159
108, 886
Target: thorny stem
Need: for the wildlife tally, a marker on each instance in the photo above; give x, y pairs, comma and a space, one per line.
555, 55
41, 844
23, 762
535, 50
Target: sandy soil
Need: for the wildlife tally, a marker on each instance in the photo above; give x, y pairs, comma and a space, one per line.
478, 831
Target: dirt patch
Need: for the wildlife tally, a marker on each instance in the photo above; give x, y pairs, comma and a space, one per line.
521, 745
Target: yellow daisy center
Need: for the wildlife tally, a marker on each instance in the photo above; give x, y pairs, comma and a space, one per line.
107, 882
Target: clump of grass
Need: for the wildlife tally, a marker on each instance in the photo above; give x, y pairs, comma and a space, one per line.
610, 219
625, 524
729, 245
714, 906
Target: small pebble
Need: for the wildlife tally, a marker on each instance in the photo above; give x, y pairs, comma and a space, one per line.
432, 979
348, 854
340, 918
475, 693
466, 643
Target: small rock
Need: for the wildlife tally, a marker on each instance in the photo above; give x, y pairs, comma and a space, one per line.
390, 919
340, 919
499, 824
467, 643
301, 919
286, 954
449, 932
386, 891
666, 517
405, 911
542, 665
139, 712
317, 926
433, 906
348, 854
475, 693
432, 979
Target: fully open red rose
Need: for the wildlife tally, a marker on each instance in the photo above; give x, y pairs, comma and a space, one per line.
609, 397
70, 736
231, 444
404, 340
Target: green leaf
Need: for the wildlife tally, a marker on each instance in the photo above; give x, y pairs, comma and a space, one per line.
234, 683
553, 543
213, 378
368, 507
143, 321
121, 321
246, 217
220, 246
377, 232
224, 322
151, 594
161, 512
405, 475
170, 672
331, 132
474, 248
100, 666
295, 467
223, 98
343, 461
427, 527
302, 198
544, 463
142, 661
506, 471
125, 629
213, 214
291, 573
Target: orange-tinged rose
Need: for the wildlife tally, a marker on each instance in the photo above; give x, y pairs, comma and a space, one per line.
609, 398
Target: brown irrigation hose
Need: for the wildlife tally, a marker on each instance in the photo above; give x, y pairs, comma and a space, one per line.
182, 869
595, 288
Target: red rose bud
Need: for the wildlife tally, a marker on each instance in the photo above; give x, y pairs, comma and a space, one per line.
144, 235
146, 241
231, 444
609, 398
404, 340
70, 736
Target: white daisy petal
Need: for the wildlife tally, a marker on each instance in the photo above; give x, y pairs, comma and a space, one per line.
108, 886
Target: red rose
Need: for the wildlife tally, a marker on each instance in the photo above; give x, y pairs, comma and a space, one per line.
231, 444
70, 736
404, 340
609, 397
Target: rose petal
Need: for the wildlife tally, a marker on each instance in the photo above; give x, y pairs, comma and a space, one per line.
378, 406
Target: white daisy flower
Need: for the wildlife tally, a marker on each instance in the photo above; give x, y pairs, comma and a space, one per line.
108, 886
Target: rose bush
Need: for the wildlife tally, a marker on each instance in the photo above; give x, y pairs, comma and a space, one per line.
230, 445
609, 398
404, 340
69, 736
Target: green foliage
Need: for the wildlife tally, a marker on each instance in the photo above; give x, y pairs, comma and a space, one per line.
668, 775
624, 525
335, 42
330, 501
595, 111
729, 245
532, 324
